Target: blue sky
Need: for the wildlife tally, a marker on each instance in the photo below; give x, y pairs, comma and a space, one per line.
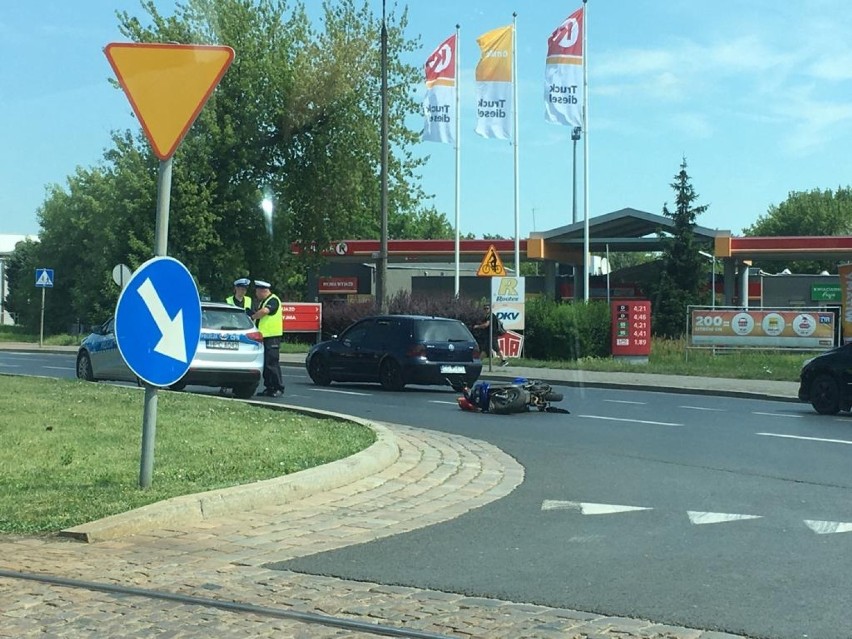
757, 95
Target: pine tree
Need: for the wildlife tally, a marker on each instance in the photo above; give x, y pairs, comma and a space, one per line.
683, 267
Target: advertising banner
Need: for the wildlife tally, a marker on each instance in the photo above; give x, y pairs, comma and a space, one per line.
563, 81
779, 329
494, 84
507, 301
844, 272
439, 105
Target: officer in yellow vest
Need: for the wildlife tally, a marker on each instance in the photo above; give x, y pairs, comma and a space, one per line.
239, 298
269, 320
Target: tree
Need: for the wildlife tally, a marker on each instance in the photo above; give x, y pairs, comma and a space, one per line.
807, 213
683, 270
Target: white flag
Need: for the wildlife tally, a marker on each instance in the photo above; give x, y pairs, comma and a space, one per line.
439, 105
563, 82
494, 84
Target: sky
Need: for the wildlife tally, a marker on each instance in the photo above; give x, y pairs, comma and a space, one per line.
757, 96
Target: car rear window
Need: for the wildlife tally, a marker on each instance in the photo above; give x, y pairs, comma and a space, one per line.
441, 331
223, 319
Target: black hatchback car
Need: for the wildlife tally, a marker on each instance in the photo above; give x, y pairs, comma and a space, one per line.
826, 381
396, 350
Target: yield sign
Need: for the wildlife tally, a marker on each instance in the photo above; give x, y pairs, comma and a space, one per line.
167, 85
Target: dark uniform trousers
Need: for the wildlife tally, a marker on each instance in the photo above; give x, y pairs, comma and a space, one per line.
272, 378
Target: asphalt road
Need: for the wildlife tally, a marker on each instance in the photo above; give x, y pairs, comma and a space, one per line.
694, 510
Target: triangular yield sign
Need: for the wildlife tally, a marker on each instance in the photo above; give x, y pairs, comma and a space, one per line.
828, 527
698, 518
167, 85
491, 264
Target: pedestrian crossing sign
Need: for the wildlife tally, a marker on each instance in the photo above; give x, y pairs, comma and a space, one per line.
44, 278
492, 265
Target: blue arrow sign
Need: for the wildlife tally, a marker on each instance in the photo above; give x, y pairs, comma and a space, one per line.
158, 321
44, 277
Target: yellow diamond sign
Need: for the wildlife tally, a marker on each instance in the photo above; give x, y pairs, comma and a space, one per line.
168, 85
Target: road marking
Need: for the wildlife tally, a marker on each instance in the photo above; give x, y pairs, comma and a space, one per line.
699, 518
586, 508
10, 365
623, 401
438, 401
635, 421
718, 410
60, 368
342, 392
776, 414
810, 439
828, 527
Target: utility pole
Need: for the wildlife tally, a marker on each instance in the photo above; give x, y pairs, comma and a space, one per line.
382, 266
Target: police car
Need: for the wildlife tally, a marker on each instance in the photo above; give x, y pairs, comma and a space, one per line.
229, 355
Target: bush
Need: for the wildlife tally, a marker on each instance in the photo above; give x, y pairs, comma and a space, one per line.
566, 331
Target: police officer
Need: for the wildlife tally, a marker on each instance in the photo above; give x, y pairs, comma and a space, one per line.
239, 298
269, 320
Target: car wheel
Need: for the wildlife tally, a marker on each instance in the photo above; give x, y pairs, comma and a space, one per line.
84, 367
245, 391
318, 371
390, 375
825, 395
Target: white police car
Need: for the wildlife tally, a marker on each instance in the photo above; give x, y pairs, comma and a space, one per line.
229, 355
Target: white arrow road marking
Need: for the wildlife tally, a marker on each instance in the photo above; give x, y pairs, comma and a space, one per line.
828, 527
635, 421
171, 342
697, 517
586, 508
811, 439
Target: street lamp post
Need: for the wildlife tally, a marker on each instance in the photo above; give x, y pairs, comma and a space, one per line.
382, 271
575, 137
712, 278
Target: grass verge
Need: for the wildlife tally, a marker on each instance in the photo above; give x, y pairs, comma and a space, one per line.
70, 451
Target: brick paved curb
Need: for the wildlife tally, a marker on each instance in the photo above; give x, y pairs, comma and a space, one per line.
187, 510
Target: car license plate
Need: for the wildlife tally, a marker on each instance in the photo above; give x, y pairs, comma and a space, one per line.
225, 346
453, 369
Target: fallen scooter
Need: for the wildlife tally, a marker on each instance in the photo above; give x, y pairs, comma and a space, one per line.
520, 396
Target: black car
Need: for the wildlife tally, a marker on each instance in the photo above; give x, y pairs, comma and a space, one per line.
826, 381
396, 350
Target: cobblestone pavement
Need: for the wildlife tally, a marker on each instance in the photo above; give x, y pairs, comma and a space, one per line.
437, 477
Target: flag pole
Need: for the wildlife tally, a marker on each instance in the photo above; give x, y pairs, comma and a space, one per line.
515, 137
458, 161
585, 153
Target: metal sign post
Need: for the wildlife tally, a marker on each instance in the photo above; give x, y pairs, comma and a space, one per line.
167, 85
43, 280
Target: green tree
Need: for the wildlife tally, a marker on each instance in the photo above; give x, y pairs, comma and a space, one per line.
23, 299
807, 213
683, 268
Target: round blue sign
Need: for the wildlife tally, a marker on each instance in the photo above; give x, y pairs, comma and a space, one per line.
158, 321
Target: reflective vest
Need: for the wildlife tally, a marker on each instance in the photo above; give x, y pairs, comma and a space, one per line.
246, 301
271, 325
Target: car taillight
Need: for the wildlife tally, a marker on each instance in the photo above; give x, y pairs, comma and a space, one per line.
417, 350
255, 336
476, 353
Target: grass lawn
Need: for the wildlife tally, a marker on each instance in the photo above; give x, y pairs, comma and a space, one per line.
70, 450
